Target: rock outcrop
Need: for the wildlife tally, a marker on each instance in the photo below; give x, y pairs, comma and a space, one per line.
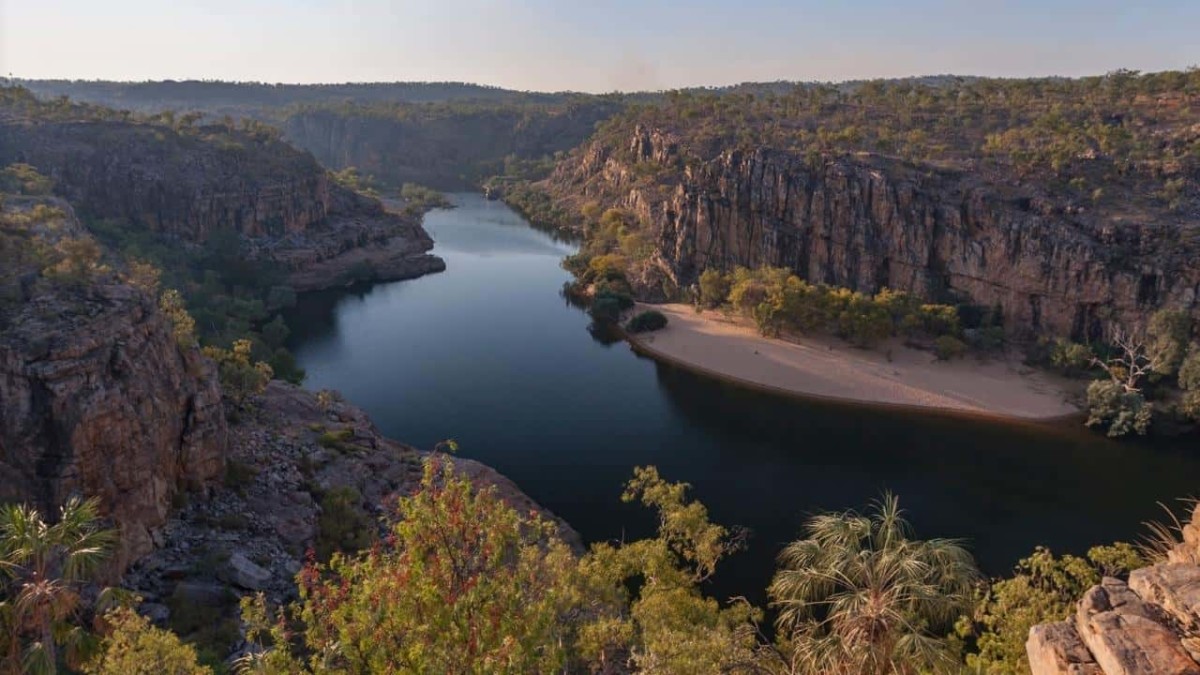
866, 222
98, 400
1148, 625
256, 528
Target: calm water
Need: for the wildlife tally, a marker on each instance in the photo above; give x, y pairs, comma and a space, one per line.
489, 353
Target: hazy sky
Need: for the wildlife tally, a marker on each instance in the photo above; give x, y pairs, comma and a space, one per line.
594, 45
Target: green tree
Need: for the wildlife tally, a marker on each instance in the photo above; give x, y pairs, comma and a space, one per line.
859, 595
1116, 409
671, 627
275, 332
649, 320
45, 567
240, 377
1167, 340
1071, 358
1189, 381
132, 646
343, 524
714, 288
463, 585
183, 325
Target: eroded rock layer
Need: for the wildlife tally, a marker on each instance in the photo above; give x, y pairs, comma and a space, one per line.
1145, 626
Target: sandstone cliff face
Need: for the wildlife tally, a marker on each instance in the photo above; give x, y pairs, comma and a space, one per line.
189, 185
865, 223
185, 185
97, 400
1146, 626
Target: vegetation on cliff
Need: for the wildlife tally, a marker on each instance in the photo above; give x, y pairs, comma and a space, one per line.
1123, 138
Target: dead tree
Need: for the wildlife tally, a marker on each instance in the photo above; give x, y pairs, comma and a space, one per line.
1132, 361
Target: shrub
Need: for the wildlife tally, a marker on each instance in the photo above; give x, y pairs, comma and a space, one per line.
240, 379
132, 646
948, 347
338, 439
343, 525
606, 308
649, 320
1070, 358
714, 288
1043, 589
239, 475
1122, 412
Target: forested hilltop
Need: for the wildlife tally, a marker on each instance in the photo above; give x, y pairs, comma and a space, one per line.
1034, 209
220, 97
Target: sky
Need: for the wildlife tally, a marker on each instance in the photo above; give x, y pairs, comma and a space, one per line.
589, 45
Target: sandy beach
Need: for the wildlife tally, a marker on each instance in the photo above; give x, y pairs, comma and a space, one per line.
830, 368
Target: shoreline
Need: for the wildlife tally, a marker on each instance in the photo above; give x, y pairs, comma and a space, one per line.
731, 350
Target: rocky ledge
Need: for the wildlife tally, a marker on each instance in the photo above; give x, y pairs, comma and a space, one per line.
1148, 625
252, 534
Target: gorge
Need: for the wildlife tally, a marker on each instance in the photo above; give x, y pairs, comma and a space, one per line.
510, 370
293, 272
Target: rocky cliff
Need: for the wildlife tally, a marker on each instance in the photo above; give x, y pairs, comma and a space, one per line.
865, 222
254, 532
98, 400
1148, 625
188, 182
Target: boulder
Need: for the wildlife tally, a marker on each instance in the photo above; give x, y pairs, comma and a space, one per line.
1127, 636
1055, 649
245, 573
1173, 587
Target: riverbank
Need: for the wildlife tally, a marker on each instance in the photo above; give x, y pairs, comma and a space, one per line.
825, 367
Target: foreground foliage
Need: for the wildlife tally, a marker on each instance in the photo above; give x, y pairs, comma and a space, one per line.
464, 583
859, 595
44, 567
1043, 589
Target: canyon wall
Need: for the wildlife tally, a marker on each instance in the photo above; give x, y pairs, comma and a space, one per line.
866, 222
98, 400
183, 184
192, 183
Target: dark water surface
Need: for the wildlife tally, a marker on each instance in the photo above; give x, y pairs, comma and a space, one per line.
489, 353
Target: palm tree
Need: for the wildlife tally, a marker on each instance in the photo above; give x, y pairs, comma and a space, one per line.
46, 565
859, 597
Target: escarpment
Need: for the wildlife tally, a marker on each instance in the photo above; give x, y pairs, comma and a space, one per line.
866, 222
98, 400
189, 183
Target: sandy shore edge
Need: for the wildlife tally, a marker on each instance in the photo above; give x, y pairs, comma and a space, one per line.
892, 375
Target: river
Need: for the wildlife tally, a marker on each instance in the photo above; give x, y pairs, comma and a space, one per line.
490, 354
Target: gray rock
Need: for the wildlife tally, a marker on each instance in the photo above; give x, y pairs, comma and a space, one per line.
1055, 649
157, 613
243, 572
